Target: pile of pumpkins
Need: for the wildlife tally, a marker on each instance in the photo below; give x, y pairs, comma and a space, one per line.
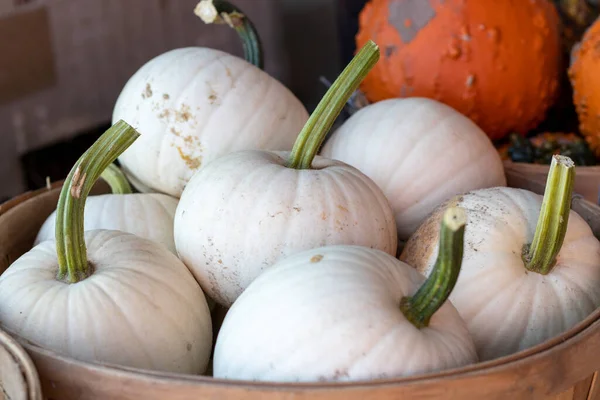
392, 248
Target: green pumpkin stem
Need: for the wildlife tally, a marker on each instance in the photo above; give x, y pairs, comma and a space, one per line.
434, 292
116, 180
540, 255
314, 131
69, 229
223, 12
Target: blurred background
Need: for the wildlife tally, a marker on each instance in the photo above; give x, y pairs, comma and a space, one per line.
64, 62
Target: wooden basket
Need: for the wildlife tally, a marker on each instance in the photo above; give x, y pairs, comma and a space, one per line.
587, 179
18, 377
564, 367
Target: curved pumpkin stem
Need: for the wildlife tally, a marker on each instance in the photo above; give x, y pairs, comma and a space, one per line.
223, 12
434, 292
69, 229
318, 125
116, 179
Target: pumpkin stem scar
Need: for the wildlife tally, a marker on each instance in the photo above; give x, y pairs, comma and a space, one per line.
434, 292
318, 125
223, 12
540, 255
71, 252
116, 180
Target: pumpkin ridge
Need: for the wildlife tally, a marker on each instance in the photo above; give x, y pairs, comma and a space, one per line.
177, 104
382, 202
582, 293
234, 84
160, 283
165, 314
124, 318
415, 152
492, 298
27, 321
160, 70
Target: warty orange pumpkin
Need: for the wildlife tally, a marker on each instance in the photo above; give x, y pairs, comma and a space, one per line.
585, 80
498, 62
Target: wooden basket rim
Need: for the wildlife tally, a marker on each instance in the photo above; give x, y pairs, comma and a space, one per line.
534, 355
581, 170
26, 365
578, 335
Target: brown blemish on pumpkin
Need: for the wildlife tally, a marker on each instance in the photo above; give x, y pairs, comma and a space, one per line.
147, 91
341, 207
166, 96
323, 216
183, 115
298, 209
420, 13
316, 259
340, 373
189, 347
191, 139
212, 97
191, 162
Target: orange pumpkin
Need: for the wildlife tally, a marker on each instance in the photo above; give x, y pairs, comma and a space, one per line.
585, 78
498, 62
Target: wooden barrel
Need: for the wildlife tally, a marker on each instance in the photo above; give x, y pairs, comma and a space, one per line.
18, 377
587, 179
563, 368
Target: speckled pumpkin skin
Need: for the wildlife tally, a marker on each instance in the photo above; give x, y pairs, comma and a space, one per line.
585, 78
497, 62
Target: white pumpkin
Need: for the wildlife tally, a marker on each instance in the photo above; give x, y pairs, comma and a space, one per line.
334, 314
506, 306
106, 296
420, 152
141, 307
147, 215
247, 210
139, 186
195, 104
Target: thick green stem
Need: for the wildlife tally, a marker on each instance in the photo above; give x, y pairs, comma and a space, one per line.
434, 292
69, 231
356, 102
313, 133
540, 255
116, 179
223, 12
